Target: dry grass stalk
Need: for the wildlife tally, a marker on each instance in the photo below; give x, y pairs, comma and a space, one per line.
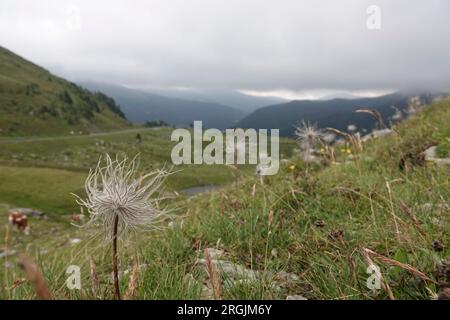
132, 285
396, 263
413, 218
384, 284
94, 277
357, 142
339, 133
214, 276
329, 153
353, 139
17, 283
391, 202
35, 277
270, 218
374, 113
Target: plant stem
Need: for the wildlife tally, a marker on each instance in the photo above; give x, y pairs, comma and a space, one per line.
116, 273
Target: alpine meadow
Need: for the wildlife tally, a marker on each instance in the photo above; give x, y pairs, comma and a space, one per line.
202, 151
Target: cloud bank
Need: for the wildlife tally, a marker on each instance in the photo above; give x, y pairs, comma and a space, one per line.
258, 47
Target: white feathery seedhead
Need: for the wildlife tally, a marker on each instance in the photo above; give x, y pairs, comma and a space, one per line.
116, 190
308, 134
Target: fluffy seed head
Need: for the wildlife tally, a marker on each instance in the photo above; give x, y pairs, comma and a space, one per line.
116, 190
308, 135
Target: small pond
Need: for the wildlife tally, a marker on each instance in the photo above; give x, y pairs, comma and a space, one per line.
199, 189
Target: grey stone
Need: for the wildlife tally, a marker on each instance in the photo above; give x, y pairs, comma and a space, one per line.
430, 156
296, 297
230, 269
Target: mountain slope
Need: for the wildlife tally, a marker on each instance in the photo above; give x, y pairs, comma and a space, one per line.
235, 99
35, 102
336, 113
141, 106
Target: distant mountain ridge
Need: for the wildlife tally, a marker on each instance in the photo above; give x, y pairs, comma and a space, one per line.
142, 106
235, 99
335, 113
35, 102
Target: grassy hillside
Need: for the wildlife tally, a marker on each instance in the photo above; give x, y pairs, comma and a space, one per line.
296, 233
35, 102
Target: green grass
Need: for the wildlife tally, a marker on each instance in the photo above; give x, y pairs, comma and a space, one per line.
79, 153
443, 149
385, 199
46, 189
35, 102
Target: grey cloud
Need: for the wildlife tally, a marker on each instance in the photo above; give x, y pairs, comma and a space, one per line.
236, 44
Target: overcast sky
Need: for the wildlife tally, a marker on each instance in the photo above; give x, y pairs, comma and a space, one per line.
262, 47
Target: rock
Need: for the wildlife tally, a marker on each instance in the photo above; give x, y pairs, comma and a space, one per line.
430, 156
230, 284
377, 134
286, 277
230, 269
234, 274
8, 253
212, 252
430, 153
296, 297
